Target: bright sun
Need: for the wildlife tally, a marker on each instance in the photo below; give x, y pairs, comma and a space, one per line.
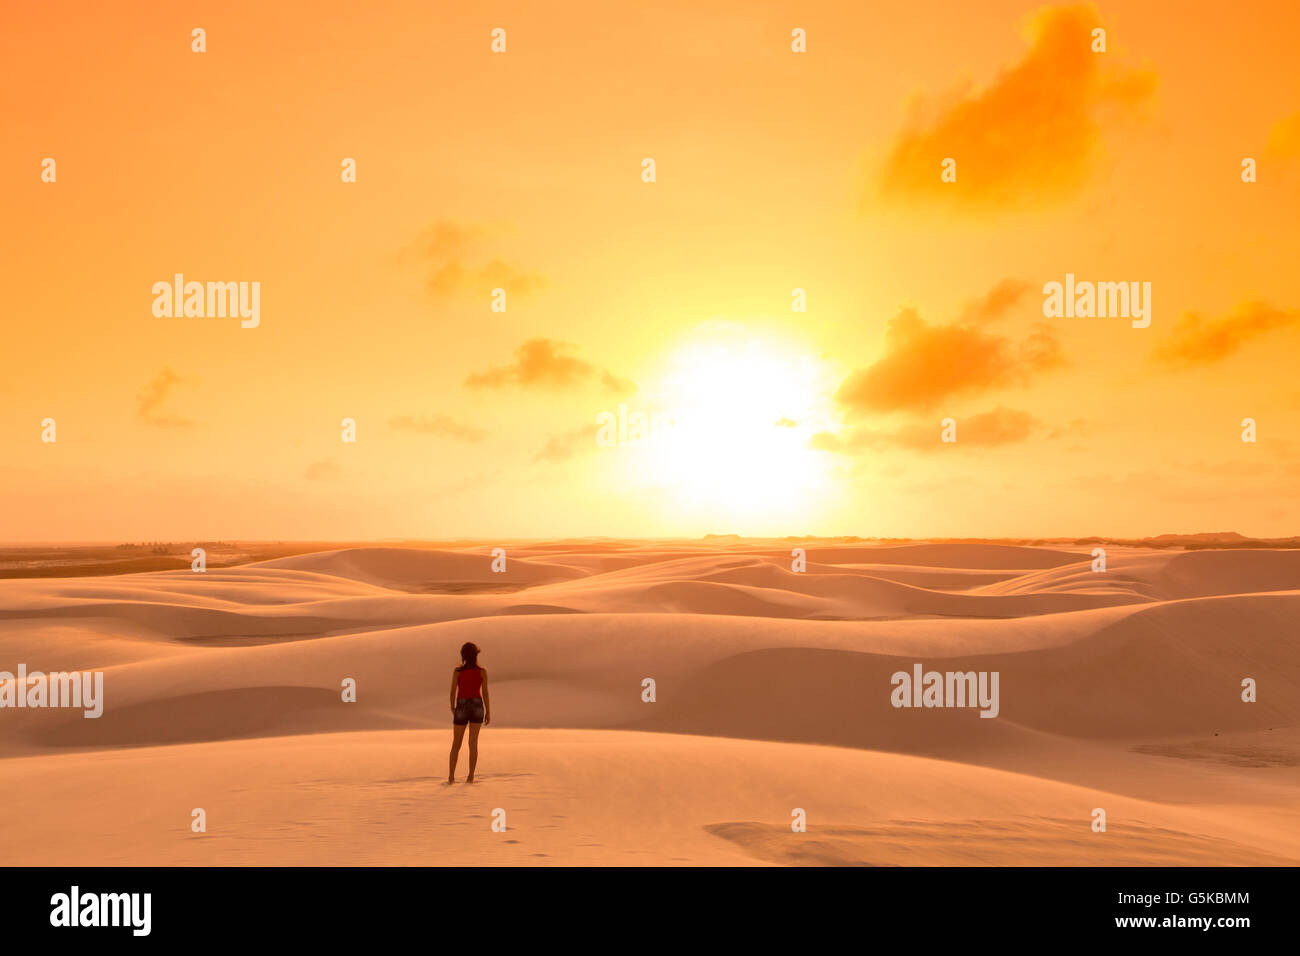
742, 410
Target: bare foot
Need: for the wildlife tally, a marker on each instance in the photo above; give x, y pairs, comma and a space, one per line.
469, 779
451, 779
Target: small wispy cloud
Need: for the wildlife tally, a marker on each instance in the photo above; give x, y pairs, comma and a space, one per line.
567, 445
439, 424
154, 395
460, 260
542, 363
1197, 341
323, 471
1000, 426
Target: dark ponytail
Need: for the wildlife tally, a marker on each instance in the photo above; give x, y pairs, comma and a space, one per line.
468, 656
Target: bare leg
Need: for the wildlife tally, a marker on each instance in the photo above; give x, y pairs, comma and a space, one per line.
473, 750
458, 732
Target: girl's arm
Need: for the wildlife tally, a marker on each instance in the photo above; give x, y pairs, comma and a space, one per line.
487, 703
453, 692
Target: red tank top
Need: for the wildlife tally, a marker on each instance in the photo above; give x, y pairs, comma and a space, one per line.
469, 683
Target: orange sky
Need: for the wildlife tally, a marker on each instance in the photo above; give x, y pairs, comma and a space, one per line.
522, 170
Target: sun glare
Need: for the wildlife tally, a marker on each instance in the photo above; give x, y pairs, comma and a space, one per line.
734, 418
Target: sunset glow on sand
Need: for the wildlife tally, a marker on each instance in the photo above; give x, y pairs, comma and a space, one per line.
850, 434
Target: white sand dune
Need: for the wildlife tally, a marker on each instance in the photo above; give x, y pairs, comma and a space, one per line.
981, 557
419, 570
1119, 690
595, 797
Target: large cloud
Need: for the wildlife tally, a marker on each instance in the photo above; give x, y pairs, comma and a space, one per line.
925, 364
1032, 135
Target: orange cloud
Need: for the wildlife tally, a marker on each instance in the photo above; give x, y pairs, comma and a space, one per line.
563, 447
1079, 427
1284, 137
541, 363
447, 247
1033, 134
925, 364
439, 424
1000, 426
1197, 341
453, 278
995, 303
449, 240
155, 394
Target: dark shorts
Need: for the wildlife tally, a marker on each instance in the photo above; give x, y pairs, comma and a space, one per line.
469, 710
